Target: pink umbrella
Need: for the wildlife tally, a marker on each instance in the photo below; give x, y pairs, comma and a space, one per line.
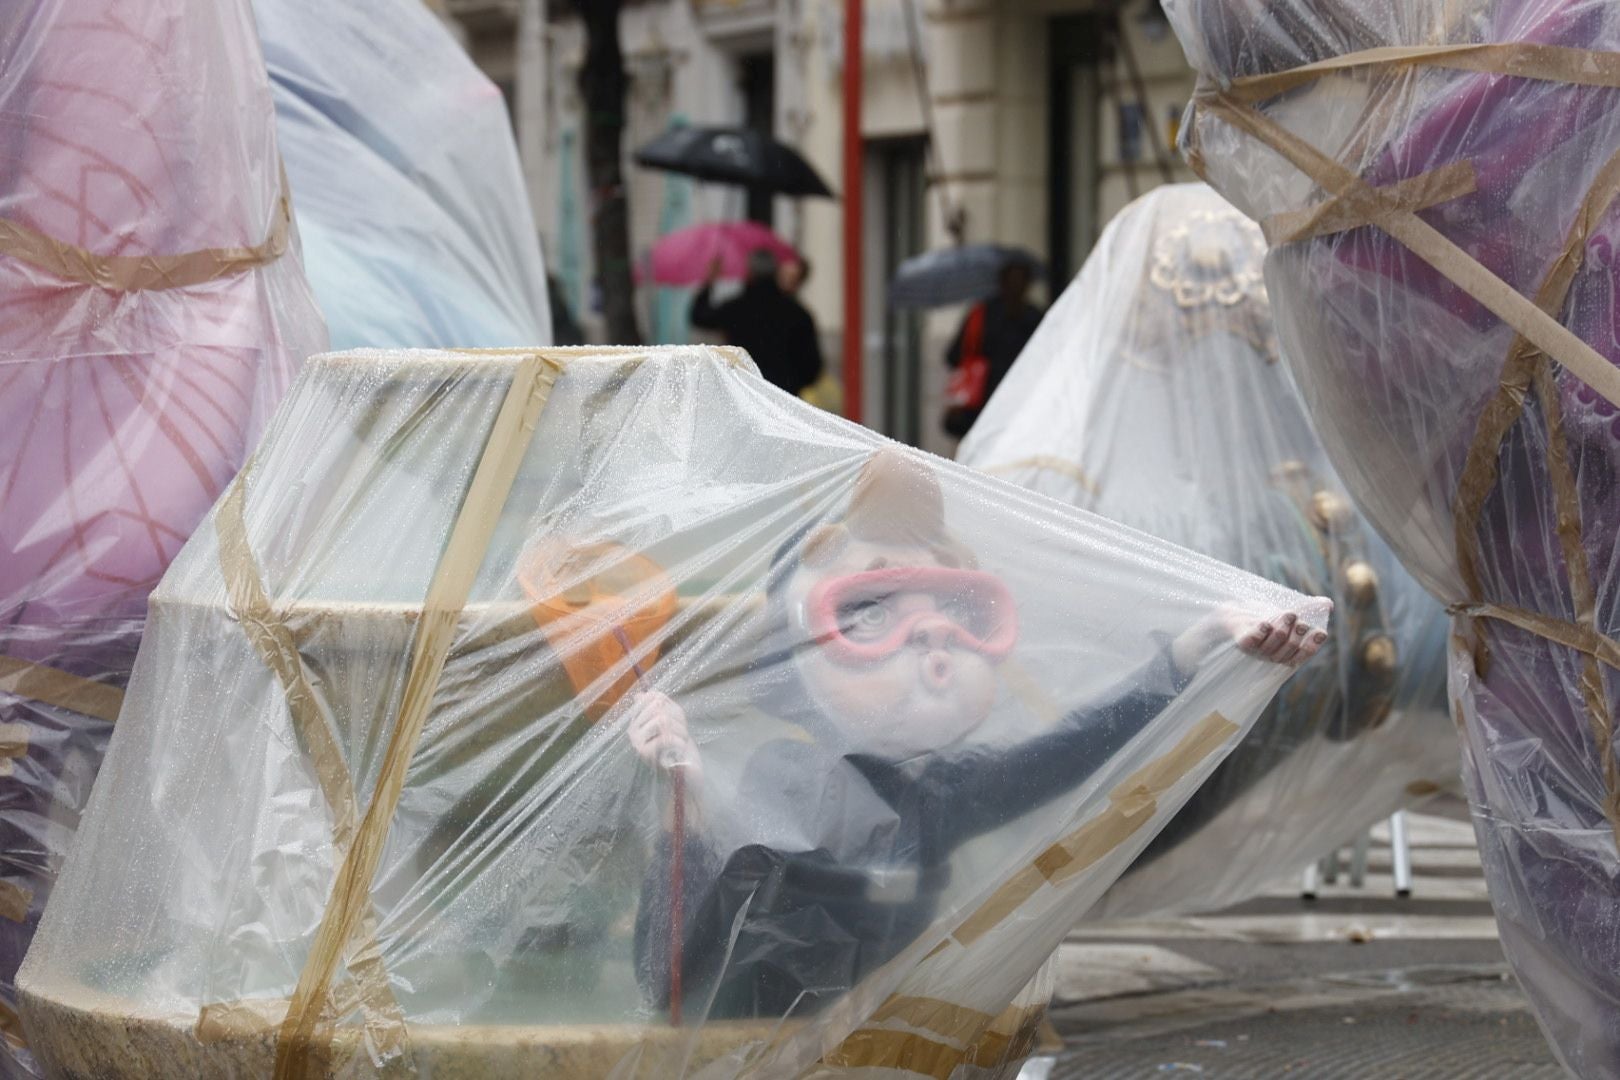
683, 257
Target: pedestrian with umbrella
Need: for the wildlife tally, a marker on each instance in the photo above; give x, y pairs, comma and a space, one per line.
996, 328
770, 323
775, 329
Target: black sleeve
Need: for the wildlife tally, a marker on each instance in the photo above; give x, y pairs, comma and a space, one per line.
810, 361
989, 789
953, 353
704, 313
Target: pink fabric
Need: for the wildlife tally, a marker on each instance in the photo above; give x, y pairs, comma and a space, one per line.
124, 414
683, 257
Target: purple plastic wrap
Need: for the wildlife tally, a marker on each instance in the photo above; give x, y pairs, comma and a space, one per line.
1443, 225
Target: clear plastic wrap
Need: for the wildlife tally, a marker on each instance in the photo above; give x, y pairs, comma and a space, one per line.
416, 223
1152, 395
1443, 232
152, 313
385, 796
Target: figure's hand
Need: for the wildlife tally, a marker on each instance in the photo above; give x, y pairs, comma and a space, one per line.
657, 732
1282, 638
716, 265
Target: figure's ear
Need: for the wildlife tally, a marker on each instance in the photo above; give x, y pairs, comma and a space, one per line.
897, 499
953, 553
823, 545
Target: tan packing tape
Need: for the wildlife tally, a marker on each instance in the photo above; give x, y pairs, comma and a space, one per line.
52, 687
138, 273
14, 901
1561, 631
13, 745
1424, 241
1566, 497
1336, 215
1131, 805
1550, 63
1524, 368
11, 1028
1061, 466
945, 1018
271, 638
1538, 333
302, 1049
994, 1041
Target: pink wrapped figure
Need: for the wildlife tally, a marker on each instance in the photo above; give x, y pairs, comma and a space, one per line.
152, 312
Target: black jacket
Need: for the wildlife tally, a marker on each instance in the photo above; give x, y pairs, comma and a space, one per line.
1005, 335
776, 329
813, 923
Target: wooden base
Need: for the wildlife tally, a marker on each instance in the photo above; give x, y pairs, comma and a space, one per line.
83, 1034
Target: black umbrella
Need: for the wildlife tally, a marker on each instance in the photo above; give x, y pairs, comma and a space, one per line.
956, 275
733, 156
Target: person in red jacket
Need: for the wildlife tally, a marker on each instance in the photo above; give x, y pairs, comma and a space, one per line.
992, 335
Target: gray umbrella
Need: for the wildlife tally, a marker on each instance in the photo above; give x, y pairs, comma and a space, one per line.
956, 275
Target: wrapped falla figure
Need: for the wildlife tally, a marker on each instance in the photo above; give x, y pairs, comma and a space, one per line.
609, 712
1437, 184
1153, 394
154, 312
416, 223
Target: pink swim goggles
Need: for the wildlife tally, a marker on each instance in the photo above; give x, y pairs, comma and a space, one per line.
873, 615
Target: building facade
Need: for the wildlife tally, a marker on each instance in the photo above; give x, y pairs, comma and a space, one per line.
1047, 117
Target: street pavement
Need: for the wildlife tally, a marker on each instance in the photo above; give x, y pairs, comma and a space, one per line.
1356, 984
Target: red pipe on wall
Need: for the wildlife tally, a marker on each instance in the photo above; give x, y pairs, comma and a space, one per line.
852, 210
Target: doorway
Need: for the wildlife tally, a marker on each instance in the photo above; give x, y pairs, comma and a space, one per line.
1079, 49
896, 185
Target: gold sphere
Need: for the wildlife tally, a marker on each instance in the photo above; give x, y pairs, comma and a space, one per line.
1378, 656
1285, 472
1360, 585
1329, 511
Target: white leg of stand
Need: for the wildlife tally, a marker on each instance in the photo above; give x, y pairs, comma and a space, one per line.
1400, 852
1358, 860
1307, 884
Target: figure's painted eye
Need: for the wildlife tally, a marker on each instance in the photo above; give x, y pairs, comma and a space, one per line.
865, 618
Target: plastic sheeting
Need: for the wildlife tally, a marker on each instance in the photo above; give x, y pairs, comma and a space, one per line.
153, 314
379, 758
416, 223
1489, 467
1152, 395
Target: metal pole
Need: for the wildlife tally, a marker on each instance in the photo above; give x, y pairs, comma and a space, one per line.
852, 211
1400, 854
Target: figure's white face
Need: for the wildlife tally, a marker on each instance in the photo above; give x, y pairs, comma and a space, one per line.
922, 696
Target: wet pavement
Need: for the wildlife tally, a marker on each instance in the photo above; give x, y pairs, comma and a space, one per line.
1356, 984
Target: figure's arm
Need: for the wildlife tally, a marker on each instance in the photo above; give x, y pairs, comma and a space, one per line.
994, 787
705, 313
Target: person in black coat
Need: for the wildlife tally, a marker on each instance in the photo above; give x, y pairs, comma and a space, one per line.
775, 329
835, 852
